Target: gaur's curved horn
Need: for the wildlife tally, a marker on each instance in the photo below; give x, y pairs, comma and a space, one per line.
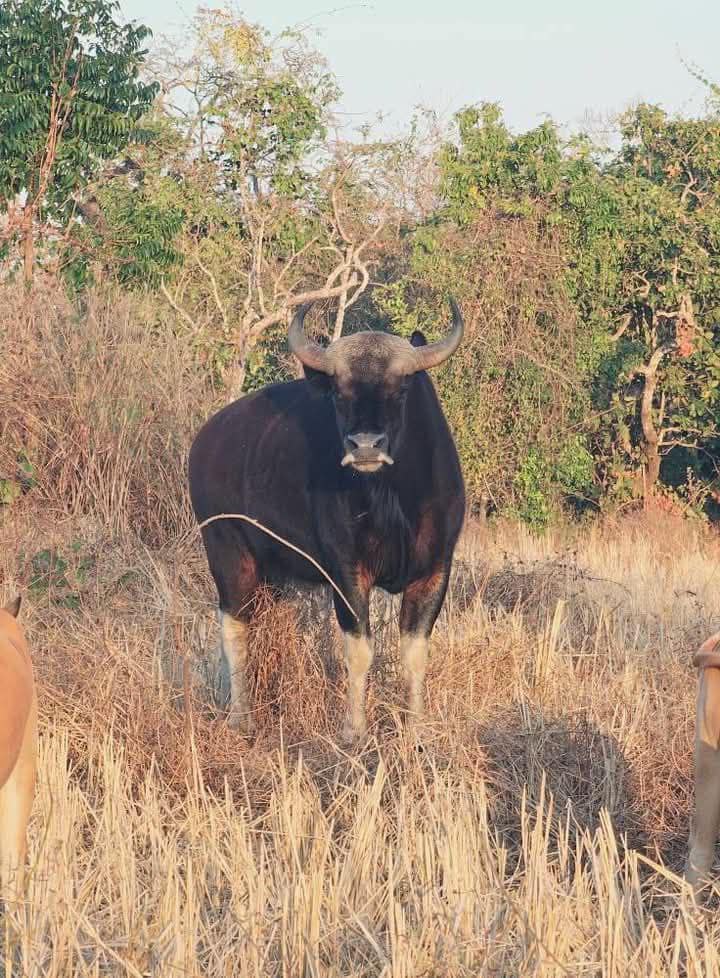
434, 354
307, 351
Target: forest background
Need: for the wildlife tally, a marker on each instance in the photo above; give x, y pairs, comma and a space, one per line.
210, 182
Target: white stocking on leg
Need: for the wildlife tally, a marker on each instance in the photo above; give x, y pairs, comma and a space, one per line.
358, 657
234, 648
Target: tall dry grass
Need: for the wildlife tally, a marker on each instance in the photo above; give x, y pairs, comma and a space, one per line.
100, 401
534, 827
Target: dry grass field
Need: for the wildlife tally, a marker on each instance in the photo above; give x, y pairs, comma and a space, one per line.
533, 827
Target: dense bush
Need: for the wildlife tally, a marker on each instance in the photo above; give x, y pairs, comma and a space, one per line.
591, 285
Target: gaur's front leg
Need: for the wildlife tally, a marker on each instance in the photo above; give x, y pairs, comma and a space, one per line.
357, 651
421, 605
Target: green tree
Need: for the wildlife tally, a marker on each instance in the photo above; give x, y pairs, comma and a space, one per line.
517, 392
627, 244
133, 214
662, 364
70, 97
272, 215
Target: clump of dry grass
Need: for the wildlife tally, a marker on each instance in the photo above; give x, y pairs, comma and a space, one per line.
534, 829
374, 883
97, 406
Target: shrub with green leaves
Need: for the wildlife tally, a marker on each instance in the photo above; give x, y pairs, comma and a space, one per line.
591, 284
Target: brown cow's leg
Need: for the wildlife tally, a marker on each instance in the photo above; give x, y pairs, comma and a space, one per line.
16, 800
707, 778
421, 605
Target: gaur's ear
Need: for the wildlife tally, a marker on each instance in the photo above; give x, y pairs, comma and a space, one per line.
418, 338
13, 607
320, 381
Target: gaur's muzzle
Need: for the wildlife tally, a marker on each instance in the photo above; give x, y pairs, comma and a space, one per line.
366, 451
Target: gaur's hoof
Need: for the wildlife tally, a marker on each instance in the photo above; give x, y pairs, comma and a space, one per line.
350, 735
241, 723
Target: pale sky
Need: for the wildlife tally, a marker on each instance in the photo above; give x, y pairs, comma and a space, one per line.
536, 57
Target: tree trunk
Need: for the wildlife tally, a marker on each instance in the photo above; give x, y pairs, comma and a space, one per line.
652, 470
483, 508
652, 440
28, 247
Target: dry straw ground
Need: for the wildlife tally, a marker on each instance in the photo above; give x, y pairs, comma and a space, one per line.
534, 830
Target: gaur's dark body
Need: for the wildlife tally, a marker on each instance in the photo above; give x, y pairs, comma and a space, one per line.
276, 456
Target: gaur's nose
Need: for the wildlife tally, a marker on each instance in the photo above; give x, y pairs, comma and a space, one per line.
366, 443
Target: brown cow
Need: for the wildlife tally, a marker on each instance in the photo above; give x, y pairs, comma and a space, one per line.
18, 748
707, 763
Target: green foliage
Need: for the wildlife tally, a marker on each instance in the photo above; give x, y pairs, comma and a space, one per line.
532, 481
540, 483
268, 363
146, 230
493, 168
67, 64
664, 245
138, 240
573, 471
623, 246
513, 392
270, 125
60, 575
10, 490
268, 100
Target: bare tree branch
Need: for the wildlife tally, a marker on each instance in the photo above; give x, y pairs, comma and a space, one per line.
343, 296
178, 309
293, 301
627, 319
216, 294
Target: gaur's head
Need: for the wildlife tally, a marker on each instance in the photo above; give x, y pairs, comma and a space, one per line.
368, 375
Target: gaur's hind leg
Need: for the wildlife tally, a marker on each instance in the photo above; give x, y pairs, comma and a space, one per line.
235, 572
421, 605
234, 648
357, 652
707, 778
